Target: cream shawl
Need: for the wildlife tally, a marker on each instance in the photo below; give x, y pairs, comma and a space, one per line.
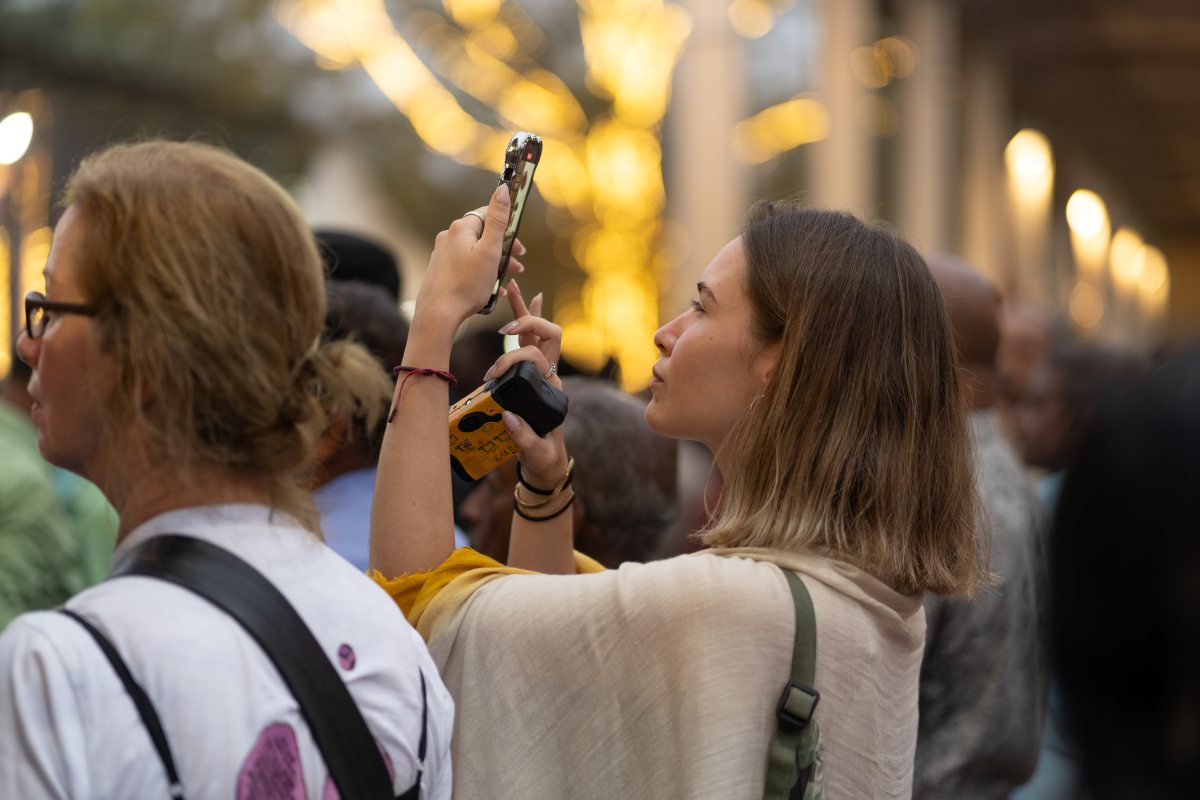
660, 680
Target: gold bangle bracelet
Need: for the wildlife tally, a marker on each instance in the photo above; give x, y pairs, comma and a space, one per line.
524, 505
563, 482
547, 517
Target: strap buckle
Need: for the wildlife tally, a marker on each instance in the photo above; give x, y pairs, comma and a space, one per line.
796, 706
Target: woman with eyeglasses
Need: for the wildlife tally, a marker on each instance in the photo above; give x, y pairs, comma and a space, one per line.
177, 364
816, 363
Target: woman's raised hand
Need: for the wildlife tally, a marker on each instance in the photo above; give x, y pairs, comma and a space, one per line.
543, 459
462, 269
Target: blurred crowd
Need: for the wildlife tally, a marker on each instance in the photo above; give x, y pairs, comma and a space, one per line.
1070, 672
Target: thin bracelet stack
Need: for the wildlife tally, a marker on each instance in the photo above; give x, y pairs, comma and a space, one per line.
523, 507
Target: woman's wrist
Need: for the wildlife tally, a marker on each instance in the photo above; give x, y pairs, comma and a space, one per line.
433, 326
544, 481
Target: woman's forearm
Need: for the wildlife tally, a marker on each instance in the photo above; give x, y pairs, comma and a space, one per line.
412, 515
543, 546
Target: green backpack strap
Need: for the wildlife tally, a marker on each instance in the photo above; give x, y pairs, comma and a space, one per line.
792, 756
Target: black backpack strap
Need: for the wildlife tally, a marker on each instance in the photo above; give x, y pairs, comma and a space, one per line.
145, 708
351, 754
791, 753
415, 791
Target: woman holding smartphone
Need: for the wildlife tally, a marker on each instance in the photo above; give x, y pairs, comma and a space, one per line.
816, 364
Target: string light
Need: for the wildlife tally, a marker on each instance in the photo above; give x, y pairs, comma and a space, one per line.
606, 172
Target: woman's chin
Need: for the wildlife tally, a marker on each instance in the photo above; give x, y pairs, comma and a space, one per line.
659, 420
653, 414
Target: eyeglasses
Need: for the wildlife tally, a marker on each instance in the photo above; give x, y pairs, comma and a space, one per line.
38, 310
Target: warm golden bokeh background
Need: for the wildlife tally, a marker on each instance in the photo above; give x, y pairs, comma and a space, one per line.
1056, 146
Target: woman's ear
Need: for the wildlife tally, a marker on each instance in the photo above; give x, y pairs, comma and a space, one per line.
765, 363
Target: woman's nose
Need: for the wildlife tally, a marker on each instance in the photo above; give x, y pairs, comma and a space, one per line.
664, 337
28, 348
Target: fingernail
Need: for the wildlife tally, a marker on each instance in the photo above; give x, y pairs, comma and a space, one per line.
509, 327
520, 249
511, 421
501, 194
513, 284
487, 376
537, 298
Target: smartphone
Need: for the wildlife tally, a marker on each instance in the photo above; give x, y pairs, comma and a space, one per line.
479, 442
520, 160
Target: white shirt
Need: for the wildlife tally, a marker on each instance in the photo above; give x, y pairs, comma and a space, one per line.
69, 730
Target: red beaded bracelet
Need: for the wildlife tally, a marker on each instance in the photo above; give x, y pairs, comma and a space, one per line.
445, 375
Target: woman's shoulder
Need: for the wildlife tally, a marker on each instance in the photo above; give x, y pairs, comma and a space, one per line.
48, 652
703, 569
694, 586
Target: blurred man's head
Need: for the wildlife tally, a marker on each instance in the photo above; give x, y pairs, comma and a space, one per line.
973, 309
365, 313
351, 257
1057, 402
1026, 336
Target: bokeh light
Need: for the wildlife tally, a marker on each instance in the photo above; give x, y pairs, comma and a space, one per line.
16, 134
1086, 214
1154, 284
780, 128
1086, 307
1126, 259
877, 115
901, 53
1029, 162
35, 250
630, 49
751, 19
1154, 275
1087, 217
871, 67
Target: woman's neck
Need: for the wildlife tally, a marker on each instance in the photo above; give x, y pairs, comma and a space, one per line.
159, 491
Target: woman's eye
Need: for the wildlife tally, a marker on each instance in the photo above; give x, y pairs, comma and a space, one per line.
695, 305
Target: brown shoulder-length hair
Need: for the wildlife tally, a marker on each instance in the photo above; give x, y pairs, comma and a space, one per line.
210, 298
859, 446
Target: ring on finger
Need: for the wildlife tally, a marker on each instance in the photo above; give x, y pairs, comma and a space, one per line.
479, 214
550, 373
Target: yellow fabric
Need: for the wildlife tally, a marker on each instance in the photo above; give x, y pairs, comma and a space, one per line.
424, 596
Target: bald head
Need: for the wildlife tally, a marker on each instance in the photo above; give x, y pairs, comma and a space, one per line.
973, 307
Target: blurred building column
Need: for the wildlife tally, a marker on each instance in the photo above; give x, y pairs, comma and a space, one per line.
926, 146
706, 186
844, 166
986, 221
